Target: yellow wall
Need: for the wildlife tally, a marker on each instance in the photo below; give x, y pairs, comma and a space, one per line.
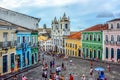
9, 34
9, 52
42, 38
72, 46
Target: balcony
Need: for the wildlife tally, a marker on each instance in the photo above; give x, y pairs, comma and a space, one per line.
35, 45
29, 44
7, 44
18, 46
118, 43
106, 42
112, 42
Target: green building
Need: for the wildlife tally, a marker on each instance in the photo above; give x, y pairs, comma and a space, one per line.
92, 41
34, 47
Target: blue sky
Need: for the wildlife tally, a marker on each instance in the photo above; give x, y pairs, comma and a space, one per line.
82, 13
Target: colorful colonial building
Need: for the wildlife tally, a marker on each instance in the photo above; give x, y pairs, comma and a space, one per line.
92, 41
111, 39
73, 45
7, 47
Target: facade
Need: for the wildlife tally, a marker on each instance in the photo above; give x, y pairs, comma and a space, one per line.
73, 45
7, 47
47, 45
23, 49
92, 41
34, 47
112, 41
44, 34
60, 29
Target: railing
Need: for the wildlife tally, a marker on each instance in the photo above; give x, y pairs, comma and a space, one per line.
35, 45
19, 46
29, 44
118, 43
112, 42
7, 44
106, 42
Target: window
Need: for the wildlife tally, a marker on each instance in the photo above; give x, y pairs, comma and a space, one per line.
98, 37
112, 38
107, 52
94, 37
90, 37
86, 36
94, 53
118, 38
61, 26
112, 53
66, 26
5, 36
118, 25
111, 26
106, 38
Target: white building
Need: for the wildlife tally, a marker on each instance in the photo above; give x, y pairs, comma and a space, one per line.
60, 29
47, 44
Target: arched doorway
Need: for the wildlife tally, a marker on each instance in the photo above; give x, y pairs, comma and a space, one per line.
28, 62
32, 59
79, 53
35, 57
112, 53
90, 53
118, 54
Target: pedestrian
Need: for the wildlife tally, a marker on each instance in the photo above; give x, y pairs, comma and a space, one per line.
24, 78
50, 64
62, 65
91, 71
12, 67
108, 67
71, 77
83, 77
71, 62
53, 63
45, 75
15, 77
91, 63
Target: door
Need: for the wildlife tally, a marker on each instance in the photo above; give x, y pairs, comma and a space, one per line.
118, 54
32, 59
5, 69
79, 52
12, 60
28, 62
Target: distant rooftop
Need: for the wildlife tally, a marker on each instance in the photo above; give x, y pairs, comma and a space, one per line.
117, 19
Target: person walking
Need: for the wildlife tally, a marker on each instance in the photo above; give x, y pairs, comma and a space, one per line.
108, 67
71, 77
91, 71
83, 77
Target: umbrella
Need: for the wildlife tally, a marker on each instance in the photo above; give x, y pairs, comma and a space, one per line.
99, 69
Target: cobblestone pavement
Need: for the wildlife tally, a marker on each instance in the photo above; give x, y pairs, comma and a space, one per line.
78, 68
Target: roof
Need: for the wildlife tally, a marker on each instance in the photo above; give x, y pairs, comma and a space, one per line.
117, 19
97, 27
76, 35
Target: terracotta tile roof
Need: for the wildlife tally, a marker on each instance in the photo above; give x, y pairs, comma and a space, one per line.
97, 27
117, 19
76, 35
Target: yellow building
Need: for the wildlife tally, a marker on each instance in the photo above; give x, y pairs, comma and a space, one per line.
74, 45
7, 47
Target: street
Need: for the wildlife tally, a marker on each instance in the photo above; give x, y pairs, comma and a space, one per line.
77, 69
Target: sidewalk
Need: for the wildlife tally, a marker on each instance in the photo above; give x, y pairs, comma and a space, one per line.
7, 76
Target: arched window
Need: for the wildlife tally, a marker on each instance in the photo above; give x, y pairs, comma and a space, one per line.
86, 36
106, 38
94, 37
118, 38
112, 53
112, 38
99, 38
106, 52
90, 37
111, 26
118, 25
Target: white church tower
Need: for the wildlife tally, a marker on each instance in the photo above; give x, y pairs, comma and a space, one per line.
60, 29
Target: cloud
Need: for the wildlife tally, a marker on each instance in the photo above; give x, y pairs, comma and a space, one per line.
13, 4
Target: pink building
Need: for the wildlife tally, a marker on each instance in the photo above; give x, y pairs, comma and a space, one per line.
111, 44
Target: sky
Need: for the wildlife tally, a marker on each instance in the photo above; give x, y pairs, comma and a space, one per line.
82, 13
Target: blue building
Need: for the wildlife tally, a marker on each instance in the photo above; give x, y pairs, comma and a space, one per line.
23, 48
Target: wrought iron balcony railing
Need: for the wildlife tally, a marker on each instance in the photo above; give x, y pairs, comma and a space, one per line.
118, 43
